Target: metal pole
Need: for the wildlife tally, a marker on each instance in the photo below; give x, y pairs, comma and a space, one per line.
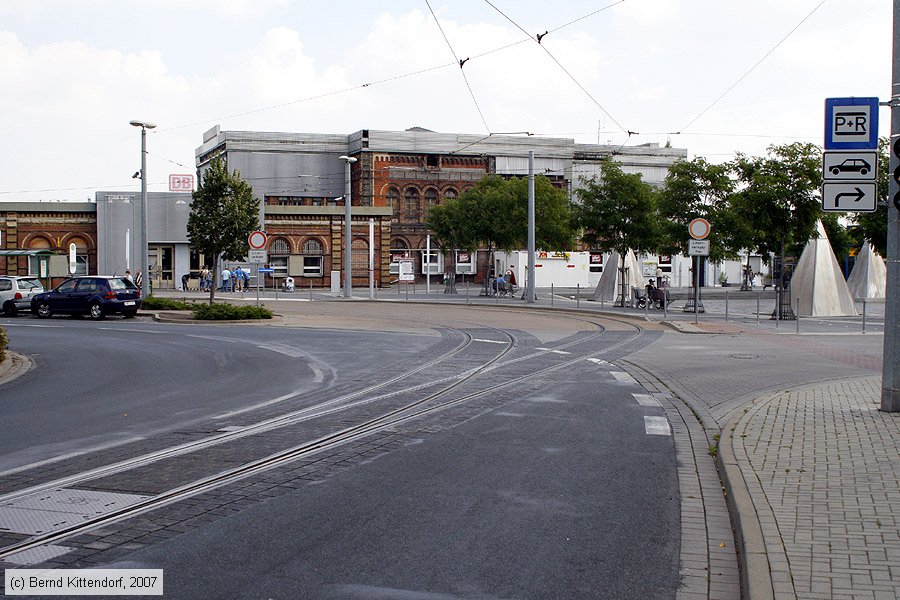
145, 276
890, 378
371, 259
864, 316
758, 297
797, 315
529, 292
257, 285
428, 263
577, 295
551, 294
696, 288
348, 240
726, 305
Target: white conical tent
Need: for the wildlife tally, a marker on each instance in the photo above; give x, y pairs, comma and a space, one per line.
868, 279
818, 288
609, 286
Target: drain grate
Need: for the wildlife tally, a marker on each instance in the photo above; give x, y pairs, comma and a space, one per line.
48, 511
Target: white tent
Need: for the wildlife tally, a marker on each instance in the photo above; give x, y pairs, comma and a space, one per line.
868, 279
610, 285
818, 288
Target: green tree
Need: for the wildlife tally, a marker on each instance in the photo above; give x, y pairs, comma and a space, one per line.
223, 214
493, 214
618, 211
873, 225
779, 197
450, 231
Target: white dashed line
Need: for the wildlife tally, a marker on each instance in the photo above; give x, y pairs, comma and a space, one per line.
622, 376
657, 426
490, 341
646, 400
597, 361
553, 351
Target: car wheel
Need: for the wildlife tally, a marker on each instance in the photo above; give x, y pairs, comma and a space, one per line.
10, 310
835, 171
96, 311
129, 314
44, 311
863, 171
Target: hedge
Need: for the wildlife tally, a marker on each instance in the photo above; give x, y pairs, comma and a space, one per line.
230, 312
4, 342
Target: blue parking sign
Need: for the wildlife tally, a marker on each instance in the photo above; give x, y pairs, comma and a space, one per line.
851, 123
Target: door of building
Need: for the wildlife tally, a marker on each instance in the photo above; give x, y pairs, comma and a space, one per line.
161, 264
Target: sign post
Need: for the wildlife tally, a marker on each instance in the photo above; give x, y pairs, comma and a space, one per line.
850, 159
257, 255
698, 247
890, 378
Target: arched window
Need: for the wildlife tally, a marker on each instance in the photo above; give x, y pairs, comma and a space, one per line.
399, 251
81, 255
411, 204
393, 200
313, 260
431, 199
279, 252
450, 193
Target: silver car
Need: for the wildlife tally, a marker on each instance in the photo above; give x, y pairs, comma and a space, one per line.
16, 292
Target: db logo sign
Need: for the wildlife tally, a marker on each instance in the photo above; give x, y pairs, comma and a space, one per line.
181, 183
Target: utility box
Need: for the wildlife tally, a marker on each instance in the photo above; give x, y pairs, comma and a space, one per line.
335, 282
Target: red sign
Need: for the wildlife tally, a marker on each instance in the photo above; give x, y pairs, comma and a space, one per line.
181, 183
257, 240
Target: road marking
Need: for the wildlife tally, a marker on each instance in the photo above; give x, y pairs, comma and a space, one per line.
657, 426
623, 376
646, 400
489, 341
597, 361
553, 351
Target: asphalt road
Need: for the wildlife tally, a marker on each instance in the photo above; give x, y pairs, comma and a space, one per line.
102, 384
553, 487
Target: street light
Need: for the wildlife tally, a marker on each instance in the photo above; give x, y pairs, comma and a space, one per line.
145, 277
348, 242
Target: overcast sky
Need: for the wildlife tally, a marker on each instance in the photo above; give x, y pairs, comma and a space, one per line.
73, 73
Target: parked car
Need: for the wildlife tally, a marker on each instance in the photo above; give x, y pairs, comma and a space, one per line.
16, 292
850, 165
93, 295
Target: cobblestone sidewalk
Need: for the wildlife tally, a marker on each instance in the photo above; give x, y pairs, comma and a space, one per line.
822, 467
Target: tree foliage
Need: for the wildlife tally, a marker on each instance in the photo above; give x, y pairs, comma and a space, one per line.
872, 226
778, 196
698, 189
618, 211
223, 214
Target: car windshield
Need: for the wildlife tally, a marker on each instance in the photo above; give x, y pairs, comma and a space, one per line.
120, 283
30, 284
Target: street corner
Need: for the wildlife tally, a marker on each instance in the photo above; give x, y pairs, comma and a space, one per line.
14, 365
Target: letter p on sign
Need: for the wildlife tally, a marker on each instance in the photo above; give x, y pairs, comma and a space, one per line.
181, 183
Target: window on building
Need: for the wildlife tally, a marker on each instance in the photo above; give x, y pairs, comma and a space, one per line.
81, 255
431, 198
359, 258
399, 251
450, 193
393, 200
313, 259
279, 251
411, 204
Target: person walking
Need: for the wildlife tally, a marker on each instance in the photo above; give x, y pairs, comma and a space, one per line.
239, 279
226, 279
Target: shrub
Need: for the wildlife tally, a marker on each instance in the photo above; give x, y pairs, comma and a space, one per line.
154, 303
230, 312
4, 341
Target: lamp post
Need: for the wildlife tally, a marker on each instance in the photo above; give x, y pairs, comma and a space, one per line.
348, 242
145, 277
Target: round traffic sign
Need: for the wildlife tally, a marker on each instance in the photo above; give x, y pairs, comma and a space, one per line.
699, 228
257, 240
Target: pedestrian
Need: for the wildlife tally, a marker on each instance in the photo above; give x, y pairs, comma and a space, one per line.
208, 278
239, 279
659, 277
511, 276
184, 281
128, 276
226, 279
246, 275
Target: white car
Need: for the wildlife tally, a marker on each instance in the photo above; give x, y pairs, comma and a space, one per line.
16, 292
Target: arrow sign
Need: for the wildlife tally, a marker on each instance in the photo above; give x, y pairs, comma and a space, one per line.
857, 196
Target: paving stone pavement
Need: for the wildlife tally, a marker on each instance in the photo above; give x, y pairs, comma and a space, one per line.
822, 465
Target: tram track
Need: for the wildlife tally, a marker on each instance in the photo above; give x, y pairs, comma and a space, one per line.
432, 402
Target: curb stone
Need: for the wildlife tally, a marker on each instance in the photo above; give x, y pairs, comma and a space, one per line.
14, 366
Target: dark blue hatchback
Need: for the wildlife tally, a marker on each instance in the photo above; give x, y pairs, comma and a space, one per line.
96, 296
